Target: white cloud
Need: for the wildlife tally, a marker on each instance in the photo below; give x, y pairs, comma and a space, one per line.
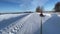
36, 3
32, 4
39, 2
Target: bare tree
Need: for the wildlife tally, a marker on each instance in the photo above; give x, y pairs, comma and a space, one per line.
38, 9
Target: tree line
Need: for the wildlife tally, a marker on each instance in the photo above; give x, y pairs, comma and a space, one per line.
56, 8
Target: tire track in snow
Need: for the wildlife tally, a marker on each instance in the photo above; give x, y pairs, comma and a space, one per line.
19, 18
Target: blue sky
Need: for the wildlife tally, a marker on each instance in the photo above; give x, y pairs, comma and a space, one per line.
25, 5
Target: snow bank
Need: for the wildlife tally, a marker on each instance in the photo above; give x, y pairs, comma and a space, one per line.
7, 16
52, 25
10, 21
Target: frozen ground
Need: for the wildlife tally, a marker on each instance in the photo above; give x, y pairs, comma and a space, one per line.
29, 23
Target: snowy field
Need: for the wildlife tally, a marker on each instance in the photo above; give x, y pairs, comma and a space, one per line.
29, 23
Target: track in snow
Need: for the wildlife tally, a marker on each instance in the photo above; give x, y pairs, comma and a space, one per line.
4, 23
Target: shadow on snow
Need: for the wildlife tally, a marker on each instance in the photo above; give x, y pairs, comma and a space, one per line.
7, 22
52, 25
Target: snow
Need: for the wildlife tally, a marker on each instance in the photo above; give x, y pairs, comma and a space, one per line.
10, 20
7, 16
29, 23
52, 25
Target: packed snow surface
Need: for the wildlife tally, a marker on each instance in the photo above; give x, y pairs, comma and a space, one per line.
29, 23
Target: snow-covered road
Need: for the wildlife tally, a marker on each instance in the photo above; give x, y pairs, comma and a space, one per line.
29, 24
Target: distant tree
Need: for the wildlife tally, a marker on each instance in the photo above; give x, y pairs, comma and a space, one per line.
38, 9
57, 7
